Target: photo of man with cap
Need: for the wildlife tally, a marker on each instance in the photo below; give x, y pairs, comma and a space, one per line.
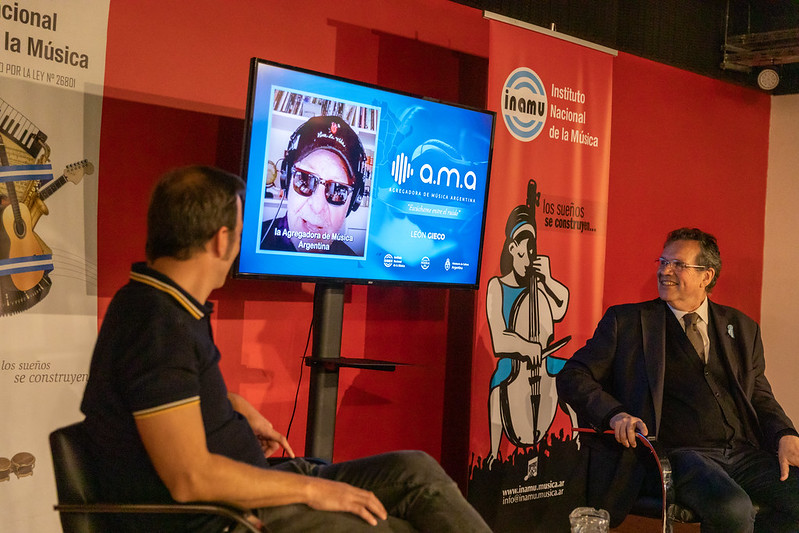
322, 176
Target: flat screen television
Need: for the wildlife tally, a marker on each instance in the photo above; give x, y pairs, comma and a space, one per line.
349, 182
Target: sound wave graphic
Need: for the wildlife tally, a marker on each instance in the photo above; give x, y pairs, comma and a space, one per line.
401, 169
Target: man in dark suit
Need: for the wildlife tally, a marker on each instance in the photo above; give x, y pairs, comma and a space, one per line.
690, 372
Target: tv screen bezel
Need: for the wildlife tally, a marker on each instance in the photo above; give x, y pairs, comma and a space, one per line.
236, 272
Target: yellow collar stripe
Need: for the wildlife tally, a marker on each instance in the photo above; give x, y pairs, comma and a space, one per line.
195, 311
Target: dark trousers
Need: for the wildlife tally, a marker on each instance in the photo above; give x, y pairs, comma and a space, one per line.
723, 486
415, 490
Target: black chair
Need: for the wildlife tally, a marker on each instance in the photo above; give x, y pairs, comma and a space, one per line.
79, 504
662, 507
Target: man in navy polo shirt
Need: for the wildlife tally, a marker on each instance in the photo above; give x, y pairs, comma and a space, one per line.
164, 427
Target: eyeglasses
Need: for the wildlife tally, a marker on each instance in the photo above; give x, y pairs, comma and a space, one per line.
679, 266
305, 183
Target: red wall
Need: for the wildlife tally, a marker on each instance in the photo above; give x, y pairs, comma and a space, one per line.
685, 150
195, 54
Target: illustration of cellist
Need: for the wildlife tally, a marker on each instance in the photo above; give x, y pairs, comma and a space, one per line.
522, 305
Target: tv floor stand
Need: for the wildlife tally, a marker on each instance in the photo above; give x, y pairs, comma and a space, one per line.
325, 361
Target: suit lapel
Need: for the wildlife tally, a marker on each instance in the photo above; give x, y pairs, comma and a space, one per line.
653, 327
731, 360
719, 331
723, 332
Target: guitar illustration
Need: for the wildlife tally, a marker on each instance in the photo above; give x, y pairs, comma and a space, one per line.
19, 219
19, 228
72, 173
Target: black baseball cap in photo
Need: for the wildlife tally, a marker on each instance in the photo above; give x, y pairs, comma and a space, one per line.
331, 133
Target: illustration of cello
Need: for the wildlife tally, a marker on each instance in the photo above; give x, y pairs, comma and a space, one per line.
528, 398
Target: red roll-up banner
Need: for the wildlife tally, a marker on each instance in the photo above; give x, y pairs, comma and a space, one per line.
540, 293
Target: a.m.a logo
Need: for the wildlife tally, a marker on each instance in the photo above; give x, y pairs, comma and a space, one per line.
524, 104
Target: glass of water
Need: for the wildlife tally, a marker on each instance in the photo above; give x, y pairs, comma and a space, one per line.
589, 520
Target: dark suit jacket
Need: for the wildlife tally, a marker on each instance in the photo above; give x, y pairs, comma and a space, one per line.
621, 368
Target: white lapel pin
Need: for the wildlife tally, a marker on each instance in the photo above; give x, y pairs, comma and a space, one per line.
730, 331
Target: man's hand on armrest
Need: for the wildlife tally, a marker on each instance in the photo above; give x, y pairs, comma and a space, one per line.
625, 426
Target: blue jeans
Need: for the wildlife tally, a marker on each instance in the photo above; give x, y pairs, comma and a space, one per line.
722, 486
418, 495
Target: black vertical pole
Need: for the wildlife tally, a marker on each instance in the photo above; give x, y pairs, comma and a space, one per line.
328, 316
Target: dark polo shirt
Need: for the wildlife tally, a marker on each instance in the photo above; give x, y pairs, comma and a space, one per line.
155, 351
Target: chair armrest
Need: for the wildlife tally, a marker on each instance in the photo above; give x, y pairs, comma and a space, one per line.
243, 518
664, 469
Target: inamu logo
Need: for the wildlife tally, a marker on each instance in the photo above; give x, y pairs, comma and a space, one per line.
524, 104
